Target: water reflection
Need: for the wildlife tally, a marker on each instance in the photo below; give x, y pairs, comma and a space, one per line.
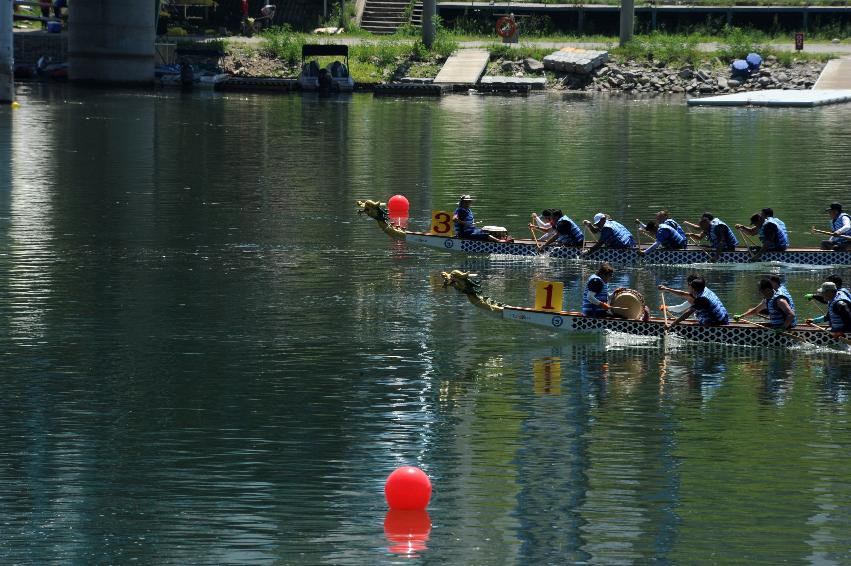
407, 531
208, 358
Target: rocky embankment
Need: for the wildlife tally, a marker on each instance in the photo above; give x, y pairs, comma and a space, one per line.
612, 77
636, 77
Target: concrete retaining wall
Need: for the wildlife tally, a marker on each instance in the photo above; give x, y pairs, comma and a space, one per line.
31, 45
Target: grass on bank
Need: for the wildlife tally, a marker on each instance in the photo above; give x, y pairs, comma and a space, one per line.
370, 61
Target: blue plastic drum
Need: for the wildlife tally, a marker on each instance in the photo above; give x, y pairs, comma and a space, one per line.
54, 27
754, 61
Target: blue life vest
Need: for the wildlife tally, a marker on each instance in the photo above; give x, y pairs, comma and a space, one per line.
782, 241
837, 224
776, 317
615, 235
569, 232
673, 224
836, 323
716, 313
589, 308
465, 215
713, 238
785, 292
669, 238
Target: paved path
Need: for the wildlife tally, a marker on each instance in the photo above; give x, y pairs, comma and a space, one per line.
809, 47
465, 67
836, 75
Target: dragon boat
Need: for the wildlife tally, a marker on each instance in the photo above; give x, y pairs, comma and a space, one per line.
738, 334
528, 247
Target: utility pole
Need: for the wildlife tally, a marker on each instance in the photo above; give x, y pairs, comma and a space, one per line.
428, 22
7, 52
627, 20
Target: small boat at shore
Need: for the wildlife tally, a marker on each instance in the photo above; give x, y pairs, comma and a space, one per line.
738, 334
629, 256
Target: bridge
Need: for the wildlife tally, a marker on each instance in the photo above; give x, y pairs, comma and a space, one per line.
109, 41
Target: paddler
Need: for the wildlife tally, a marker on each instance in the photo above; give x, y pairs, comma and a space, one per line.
720, 237
567, 233
770, 230
595, 298
612, 234
662, 217
840, 224
837, 280
689, 299
707, 306
781, 314
838, 314
543, 223
465, 223
666, 237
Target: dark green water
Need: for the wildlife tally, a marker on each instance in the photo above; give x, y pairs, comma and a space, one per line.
208, 358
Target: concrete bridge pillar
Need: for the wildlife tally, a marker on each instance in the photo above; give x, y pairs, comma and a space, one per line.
7, 85
111, 41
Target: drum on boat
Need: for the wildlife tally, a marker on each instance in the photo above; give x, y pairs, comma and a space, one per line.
496, 231
628, 303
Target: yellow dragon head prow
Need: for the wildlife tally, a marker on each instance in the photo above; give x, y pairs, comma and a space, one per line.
465, 283
373, 209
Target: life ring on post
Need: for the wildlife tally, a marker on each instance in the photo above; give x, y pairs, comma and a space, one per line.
506, 26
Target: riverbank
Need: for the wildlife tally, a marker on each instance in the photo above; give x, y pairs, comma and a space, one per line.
656, 64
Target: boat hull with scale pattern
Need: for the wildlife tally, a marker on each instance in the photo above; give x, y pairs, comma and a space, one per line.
691, 255
739, 334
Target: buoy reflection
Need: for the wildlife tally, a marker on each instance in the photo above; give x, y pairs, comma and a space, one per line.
407, 531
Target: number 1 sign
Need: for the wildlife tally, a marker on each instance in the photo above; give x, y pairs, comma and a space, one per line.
549, 295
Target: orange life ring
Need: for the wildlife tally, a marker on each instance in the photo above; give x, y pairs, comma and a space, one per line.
506, 26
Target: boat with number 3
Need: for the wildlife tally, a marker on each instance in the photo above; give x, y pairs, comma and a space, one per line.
691, 255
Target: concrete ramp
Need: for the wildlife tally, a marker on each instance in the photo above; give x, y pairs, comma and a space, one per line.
466, 67
836, 75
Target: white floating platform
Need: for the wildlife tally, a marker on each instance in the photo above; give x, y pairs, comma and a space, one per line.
775, 97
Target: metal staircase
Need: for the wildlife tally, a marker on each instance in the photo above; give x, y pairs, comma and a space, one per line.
385, 16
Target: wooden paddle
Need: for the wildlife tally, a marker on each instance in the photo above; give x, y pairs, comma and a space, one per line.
840, 338
748, 242
784, 332
815, 230
535, 239
697, 243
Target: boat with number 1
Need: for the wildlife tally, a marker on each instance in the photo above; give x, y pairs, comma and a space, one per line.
634, 322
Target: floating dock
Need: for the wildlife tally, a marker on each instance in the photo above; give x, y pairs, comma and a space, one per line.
835, 75
775, 97
832, 87
465, 67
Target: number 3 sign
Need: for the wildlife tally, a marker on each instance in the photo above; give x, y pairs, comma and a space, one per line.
441, 223
549, 295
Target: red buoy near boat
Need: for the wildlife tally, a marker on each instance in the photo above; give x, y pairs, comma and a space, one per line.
407, 487
398, 206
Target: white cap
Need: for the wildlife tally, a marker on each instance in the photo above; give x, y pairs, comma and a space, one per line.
827, 286
599, 216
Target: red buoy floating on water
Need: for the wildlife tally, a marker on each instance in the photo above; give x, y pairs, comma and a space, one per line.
398, 206
407, 487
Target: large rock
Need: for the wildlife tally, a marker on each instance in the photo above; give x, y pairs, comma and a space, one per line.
573, 60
